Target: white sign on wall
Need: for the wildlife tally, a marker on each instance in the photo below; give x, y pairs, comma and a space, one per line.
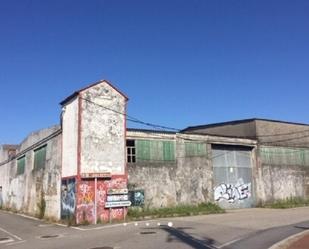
116, 191
117, 204
117, 198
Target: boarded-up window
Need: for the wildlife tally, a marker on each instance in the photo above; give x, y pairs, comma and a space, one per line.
195, 149
21, 162
40, 157
284, 156
155, 150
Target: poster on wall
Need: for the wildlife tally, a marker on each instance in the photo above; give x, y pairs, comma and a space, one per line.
137, 197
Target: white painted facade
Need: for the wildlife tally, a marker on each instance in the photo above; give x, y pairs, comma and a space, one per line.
103, 130
70, 138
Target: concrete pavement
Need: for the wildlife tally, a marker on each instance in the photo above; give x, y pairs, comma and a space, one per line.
246, 228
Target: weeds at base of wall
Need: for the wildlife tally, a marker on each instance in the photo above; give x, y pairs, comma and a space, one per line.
290, 202
71, 220
84, 222
41, 206
181, 210
8, 209
99, 221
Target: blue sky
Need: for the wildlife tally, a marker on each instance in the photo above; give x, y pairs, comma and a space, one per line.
181, 63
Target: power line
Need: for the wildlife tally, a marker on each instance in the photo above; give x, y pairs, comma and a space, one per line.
133, 119
157, 126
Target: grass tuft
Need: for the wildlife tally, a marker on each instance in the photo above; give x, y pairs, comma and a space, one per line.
180, 210
290, 202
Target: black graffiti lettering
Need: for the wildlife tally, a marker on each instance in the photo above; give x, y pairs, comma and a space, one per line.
231, 193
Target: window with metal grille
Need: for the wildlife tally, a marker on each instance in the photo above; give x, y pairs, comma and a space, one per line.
21, 162
131, 156
40, 158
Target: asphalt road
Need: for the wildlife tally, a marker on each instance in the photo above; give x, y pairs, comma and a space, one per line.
237, 229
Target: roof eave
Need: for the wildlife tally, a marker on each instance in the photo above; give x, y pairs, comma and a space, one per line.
76, 93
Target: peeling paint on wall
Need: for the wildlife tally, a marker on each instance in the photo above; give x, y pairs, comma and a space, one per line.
103, 130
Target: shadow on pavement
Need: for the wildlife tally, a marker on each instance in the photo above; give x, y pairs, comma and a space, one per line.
180, 235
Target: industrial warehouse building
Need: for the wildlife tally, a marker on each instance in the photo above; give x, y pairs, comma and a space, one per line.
91, 164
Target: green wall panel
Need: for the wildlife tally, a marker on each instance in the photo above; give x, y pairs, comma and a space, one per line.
195, 149
155, 150
284, 156
40, 158
21, 162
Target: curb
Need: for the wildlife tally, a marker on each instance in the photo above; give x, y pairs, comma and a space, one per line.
284, 244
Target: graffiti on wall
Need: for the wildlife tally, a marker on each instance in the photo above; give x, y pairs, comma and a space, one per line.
85, 202
68, 198
232, 193
103, 188
137, 197
85, 209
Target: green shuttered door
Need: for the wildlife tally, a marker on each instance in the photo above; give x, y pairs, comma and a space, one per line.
40, 158
21, 165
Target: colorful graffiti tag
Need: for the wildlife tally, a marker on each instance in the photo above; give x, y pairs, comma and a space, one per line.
85, 202
102, 194
68, 198
88, 195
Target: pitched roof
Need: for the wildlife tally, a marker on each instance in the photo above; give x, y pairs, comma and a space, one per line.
73, 95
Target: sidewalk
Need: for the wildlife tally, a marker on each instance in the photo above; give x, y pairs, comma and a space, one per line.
301, 243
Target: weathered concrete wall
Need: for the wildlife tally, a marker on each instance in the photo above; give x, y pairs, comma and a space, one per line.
7, 151
282, 182
191, 179
188, 180
282, 134
266, 131
23, 192
283, 172
102, 130
70, 135
232, 129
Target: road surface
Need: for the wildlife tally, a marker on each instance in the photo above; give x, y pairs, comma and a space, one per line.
237, 229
